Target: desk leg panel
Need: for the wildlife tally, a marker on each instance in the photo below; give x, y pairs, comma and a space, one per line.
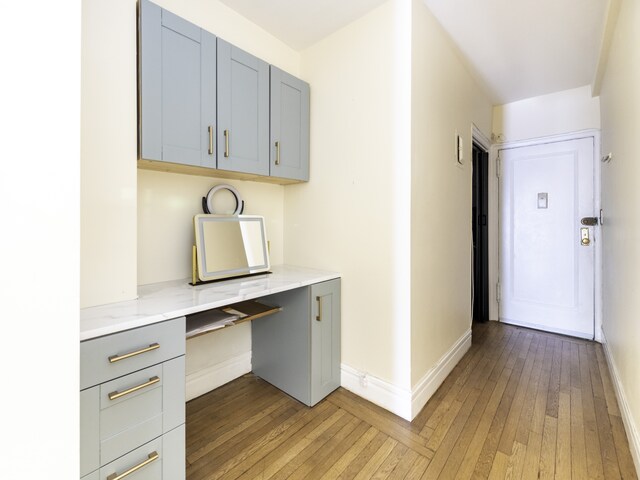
281, 344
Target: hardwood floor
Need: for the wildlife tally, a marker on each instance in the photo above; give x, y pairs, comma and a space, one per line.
520, 404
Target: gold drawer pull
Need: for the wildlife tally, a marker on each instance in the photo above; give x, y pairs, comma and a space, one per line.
115, 395
210, 128
153, 456
117, 358
319, 316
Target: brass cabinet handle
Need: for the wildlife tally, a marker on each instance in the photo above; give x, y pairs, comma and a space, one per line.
319, 316
115, 395
117, 358
152, 457
210, 140
277, 153
226, 143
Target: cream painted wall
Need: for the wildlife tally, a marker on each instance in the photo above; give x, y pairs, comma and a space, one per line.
345, 218
620, 104
561, 112
108, 153
445, 99
167, 203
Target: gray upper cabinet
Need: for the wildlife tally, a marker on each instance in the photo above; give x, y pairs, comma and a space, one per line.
243, 111
289, 138
207, 107
177, 82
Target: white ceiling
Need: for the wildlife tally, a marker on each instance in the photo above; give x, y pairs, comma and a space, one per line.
525, 48
301, 23
516, 48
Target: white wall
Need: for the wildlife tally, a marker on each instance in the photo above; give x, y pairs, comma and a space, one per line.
556, 113
620, 104
108, 152
39, 246
344, 218
445, 99
137, 225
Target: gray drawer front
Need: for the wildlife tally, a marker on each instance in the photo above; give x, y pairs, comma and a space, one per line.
95, 367
170, 464
89, 430
152, 471
92, 476
144, 414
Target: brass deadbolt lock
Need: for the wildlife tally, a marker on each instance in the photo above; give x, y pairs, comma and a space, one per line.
585, 241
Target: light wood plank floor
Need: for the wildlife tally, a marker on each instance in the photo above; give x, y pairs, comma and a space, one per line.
520, 404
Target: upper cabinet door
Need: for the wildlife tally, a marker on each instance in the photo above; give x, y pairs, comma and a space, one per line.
289, 146
243, 111
177, 89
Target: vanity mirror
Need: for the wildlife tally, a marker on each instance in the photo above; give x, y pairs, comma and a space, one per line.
229, 246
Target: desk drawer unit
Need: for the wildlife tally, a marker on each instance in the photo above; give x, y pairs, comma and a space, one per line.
160, 459
105, 358
132, 406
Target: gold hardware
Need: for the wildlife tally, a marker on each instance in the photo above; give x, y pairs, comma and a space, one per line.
277, 153
116, 395
319, 316
152, 457
584, 237
117, 358
210, 140
194, 266
226, 143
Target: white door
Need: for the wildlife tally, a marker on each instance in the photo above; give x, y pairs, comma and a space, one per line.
546, 268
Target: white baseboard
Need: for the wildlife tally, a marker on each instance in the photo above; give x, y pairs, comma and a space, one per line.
629, 425
210, 378
384, 394
430, 382
404, 403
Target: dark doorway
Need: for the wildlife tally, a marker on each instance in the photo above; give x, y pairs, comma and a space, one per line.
480, 212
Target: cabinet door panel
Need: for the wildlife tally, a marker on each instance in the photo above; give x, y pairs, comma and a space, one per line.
243, 111
173, 446
180, 98
289, 126
177, 88
150, 85
89, 430
325, 339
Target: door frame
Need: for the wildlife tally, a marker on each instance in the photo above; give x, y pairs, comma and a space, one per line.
494, 209
479, 138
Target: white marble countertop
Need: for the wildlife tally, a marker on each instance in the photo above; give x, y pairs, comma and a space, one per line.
163, 301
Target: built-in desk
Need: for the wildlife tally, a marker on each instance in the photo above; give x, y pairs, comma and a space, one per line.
132, 362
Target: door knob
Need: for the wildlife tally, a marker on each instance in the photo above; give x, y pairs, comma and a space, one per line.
584, 237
